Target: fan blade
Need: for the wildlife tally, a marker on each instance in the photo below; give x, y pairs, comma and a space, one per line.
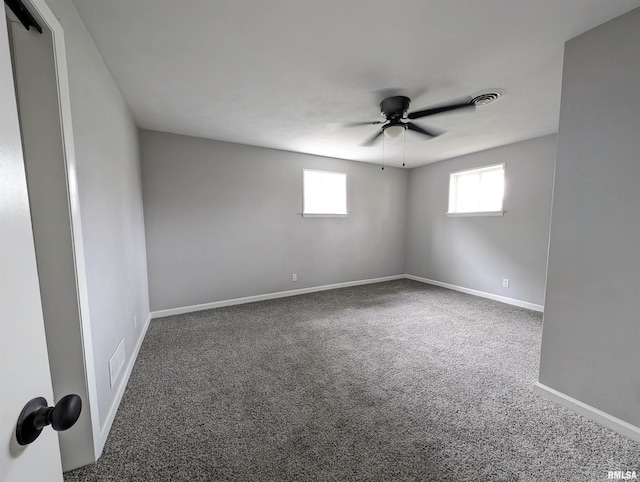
438, 110
356, 124
369, 142
416, 128
332, 126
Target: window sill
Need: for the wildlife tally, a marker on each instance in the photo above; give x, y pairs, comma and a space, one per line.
314, 215
481, 213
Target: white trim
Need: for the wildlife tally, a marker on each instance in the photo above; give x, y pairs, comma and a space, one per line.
317, 215
68, 144
475, 213
269, 296
592, 413
124, 379
482, 294
283, 294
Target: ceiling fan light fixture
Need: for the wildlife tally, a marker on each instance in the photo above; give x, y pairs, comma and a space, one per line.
394, 131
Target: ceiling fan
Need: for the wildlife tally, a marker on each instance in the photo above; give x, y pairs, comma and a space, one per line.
397, 120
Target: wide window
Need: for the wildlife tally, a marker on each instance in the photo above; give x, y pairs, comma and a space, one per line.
477, 191
325, 193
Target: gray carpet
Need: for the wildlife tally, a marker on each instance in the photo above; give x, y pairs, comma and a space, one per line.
392, 381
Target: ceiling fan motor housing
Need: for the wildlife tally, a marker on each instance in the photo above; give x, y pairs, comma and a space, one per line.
395, 108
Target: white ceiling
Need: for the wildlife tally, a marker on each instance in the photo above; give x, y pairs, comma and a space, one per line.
282, 73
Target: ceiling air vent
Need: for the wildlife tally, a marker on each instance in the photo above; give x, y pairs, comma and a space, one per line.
485, 97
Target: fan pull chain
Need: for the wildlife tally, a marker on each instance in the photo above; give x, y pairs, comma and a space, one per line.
404, 147
383, 152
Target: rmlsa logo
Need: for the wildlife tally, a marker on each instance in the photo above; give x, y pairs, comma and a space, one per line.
622, 475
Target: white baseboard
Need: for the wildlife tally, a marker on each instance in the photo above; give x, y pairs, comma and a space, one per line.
269, 296
592, 413
106, 427
313, 289
482, 294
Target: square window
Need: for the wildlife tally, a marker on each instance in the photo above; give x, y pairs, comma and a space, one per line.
477, 190
325, 193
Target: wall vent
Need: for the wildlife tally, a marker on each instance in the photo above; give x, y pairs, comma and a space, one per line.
116, 362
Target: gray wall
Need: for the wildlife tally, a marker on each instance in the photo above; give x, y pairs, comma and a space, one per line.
477, 252
108, 173
223, 221
591, 323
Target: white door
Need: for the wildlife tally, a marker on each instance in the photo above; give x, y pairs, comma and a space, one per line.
24, 364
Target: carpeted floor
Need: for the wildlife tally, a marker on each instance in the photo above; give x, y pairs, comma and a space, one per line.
392, 381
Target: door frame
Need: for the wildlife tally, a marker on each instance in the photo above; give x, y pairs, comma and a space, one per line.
41, 10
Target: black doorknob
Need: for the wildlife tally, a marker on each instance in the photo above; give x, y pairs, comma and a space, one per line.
36, 415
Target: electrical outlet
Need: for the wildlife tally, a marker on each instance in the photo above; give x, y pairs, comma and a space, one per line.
135, 321
294, 277
505, 283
